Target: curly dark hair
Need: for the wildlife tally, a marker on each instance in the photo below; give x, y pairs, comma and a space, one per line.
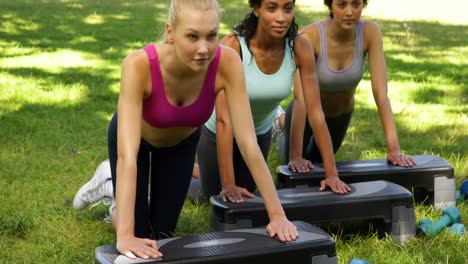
248, 26
328, 3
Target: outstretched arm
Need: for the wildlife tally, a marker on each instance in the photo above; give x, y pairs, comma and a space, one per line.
128, 141
378, 72
224, 138
308, 79
298, 121
231, 79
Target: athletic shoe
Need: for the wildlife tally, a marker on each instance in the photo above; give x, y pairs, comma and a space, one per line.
108, 217
277, 130
98, 189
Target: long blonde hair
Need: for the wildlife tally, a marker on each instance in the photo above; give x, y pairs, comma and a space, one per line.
177, 5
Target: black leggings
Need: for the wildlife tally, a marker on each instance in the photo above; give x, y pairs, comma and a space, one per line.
337, 126
169, 171
208, 163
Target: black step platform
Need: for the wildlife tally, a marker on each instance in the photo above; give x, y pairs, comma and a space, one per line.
387, 204
432, 179
252, 245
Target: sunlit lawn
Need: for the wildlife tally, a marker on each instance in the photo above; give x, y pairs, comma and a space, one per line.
59, 82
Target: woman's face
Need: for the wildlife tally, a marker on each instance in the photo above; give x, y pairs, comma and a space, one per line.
275, 16
347, 13
195, 37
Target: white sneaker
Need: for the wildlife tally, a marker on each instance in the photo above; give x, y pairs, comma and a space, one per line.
108, 217
98, 189
277, 131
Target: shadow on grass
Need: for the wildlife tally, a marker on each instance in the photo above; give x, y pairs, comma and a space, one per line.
50, 143
423, 53
413, 141
61, 143
95, 27
47, 152
28, 28
97, 80
119, 26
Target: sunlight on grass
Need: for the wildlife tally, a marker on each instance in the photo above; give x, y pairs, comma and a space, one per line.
162, 4
27, 88
452, 12
225, 29
406, 57
105, 115
13, 48
11, 24
83, 39
455, 55
45, 92
59, 84
73, 4
402, 96
120, 16
94, 19
54, 61
433, 114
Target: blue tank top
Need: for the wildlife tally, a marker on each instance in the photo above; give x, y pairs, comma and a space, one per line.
265, 91
342, 80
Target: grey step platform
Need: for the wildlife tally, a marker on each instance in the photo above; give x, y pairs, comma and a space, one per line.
249, 246
387, 204
432, 179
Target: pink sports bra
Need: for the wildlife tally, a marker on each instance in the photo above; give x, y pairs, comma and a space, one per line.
159, 112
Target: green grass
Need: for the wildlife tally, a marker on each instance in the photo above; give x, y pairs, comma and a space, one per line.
59, 82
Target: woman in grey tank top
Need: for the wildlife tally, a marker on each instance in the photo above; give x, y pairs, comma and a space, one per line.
341, 44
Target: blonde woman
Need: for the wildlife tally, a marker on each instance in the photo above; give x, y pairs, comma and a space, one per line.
168, 90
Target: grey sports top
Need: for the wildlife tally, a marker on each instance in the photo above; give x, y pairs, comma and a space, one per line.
340, 80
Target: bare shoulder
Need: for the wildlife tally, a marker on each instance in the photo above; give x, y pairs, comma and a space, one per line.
232, 41
301, 42
312, 35
372, 35
228, 55
302, 47
135, 72
310, 31
136, 61
230, 67
371, 28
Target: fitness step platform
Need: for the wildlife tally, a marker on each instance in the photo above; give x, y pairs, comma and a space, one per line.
386, 204
432, 179
250, 246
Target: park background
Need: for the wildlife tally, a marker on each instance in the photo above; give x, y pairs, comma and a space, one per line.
59, 82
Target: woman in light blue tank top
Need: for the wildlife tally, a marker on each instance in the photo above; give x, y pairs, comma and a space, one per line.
271, 52
340, 45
